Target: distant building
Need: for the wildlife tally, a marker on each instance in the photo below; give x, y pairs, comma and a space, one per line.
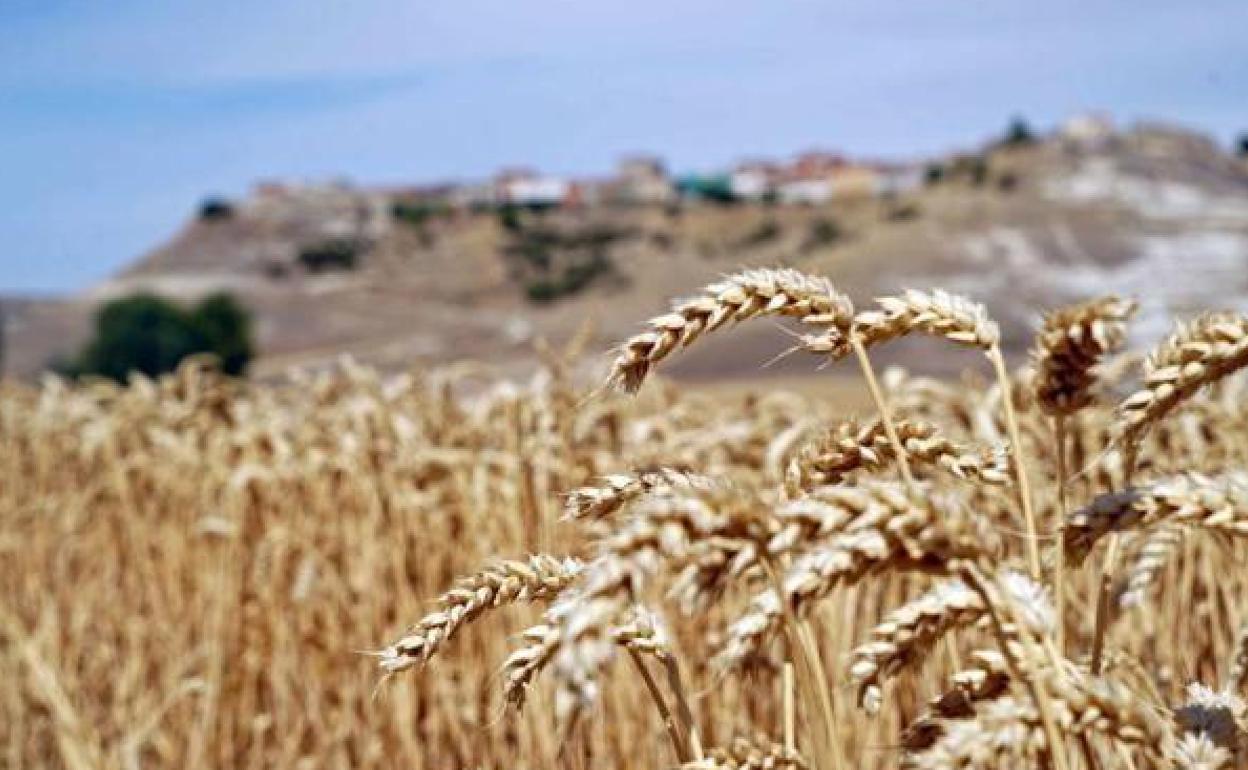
1089, 131
852, 181
753, 180
809, 190
817, 163
808, 179
524, 187
480, 195
641, 179
897, 178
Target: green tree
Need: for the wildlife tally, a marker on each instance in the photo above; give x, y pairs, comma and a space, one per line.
215, 209
149, 334
224, 328
1019, 133
1242, 145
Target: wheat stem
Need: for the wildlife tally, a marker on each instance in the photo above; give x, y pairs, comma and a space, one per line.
1020, 464
665, 713
813, 677
975, 579
881, 405
1059, 568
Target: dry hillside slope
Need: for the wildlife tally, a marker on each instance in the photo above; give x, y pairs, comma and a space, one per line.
1155, 212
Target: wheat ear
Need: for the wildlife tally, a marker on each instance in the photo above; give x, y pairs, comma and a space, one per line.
988, 678
576, 638
1069, 347
1218, 503
892, 529
541, 577
1237, 670
1155, 550
910, 633
1196, 354
1219, 715
852, 446
1071, 343
963, 322
736, 298
1194, 751
1002, 732
618, 490
746, 754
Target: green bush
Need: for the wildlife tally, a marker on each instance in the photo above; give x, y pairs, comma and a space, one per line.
823, 232
417, 214
766, 231
509, 218
903, 212
215, 209
1018, 134
572, 279
332, 254
149, 334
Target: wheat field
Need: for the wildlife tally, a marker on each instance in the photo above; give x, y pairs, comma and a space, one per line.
1041, 567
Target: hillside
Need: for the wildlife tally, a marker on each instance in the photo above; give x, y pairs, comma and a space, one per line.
1154, 212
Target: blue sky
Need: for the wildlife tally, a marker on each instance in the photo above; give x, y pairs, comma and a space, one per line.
117, 118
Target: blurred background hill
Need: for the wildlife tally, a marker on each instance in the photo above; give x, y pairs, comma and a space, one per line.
403, 275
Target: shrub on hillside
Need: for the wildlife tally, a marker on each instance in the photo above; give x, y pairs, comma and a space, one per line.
417, 214
151, 335
824, 231
331, 254
1018, 134
574, 277
766, 231
215, 209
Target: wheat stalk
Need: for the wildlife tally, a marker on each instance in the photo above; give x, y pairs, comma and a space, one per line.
541, 577
737, 298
